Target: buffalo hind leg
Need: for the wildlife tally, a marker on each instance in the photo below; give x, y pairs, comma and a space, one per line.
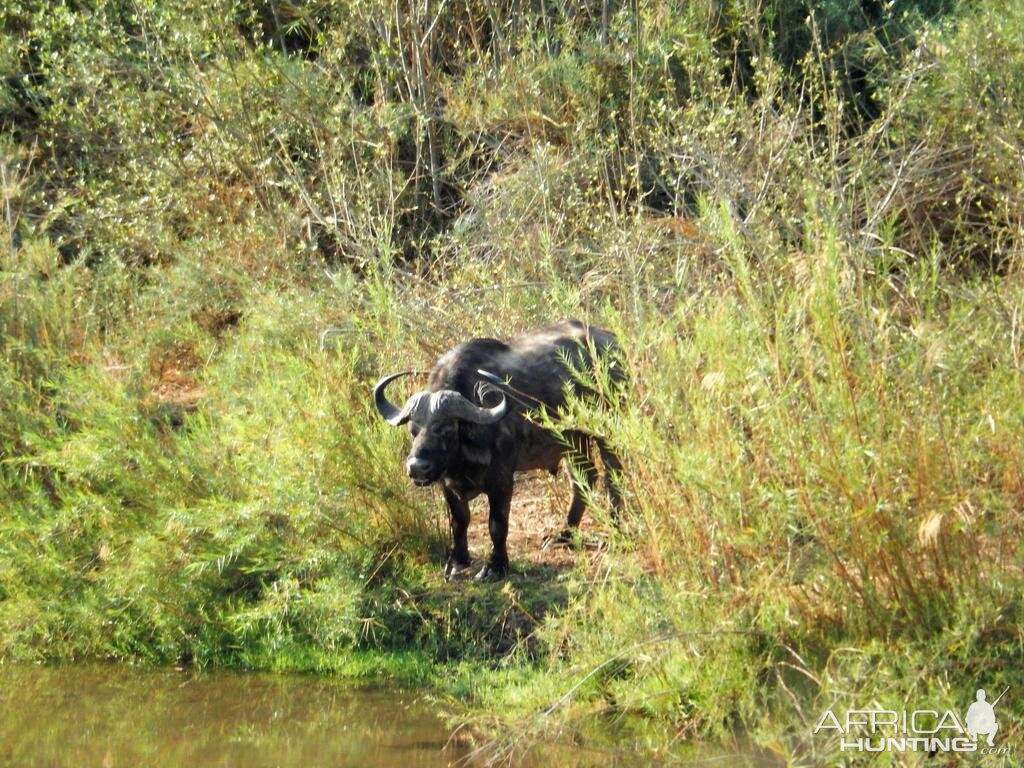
458, 515
583, 474
612, 477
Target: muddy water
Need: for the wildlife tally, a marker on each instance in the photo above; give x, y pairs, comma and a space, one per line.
113, 717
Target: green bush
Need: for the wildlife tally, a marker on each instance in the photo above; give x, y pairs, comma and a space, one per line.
219, 225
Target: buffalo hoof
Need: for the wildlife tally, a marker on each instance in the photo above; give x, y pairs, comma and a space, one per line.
491, 573
563, 539
454, 570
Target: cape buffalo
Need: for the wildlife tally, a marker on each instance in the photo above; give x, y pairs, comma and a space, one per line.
471, 430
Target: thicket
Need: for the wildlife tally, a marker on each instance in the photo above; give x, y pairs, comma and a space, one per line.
222, 221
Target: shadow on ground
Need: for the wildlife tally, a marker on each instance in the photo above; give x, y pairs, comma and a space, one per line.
466, 620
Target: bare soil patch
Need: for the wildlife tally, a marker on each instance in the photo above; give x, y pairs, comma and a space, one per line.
539, 509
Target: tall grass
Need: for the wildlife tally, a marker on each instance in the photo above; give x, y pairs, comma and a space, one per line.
217, 234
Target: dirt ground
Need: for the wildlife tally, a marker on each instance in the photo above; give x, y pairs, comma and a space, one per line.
539, 509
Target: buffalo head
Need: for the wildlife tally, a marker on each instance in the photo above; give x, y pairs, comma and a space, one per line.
433, 419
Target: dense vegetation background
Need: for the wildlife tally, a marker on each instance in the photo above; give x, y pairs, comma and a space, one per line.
221, 221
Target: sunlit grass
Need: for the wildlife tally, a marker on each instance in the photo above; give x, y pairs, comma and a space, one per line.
821, 318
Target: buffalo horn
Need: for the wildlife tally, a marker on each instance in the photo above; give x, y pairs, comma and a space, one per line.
385, 407
453, 404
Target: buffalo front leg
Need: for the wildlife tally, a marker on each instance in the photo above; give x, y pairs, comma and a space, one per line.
500, 502
458, 516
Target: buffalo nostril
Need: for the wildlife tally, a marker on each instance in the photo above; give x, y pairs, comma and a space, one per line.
417, 468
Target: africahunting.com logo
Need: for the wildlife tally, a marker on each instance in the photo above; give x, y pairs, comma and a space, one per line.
919, 730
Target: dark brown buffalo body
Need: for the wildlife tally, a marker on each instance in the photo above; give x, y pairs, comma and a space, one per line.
472, 437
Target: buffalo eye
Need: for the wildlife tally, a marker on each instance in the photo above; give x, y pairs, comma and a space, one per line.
413, 430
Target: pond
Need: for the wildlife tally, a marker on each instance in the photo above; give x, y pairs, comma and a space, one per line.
112, 716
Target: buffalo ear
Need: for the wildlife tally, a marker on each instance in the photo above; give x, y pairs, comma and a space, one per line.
476, 454
474, 443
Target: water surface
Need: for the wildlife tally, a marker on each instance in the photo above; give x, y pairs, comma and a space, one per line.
114, 717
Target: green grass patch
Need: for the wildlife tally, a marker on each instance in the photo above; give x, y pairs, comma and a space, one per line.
219, 226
